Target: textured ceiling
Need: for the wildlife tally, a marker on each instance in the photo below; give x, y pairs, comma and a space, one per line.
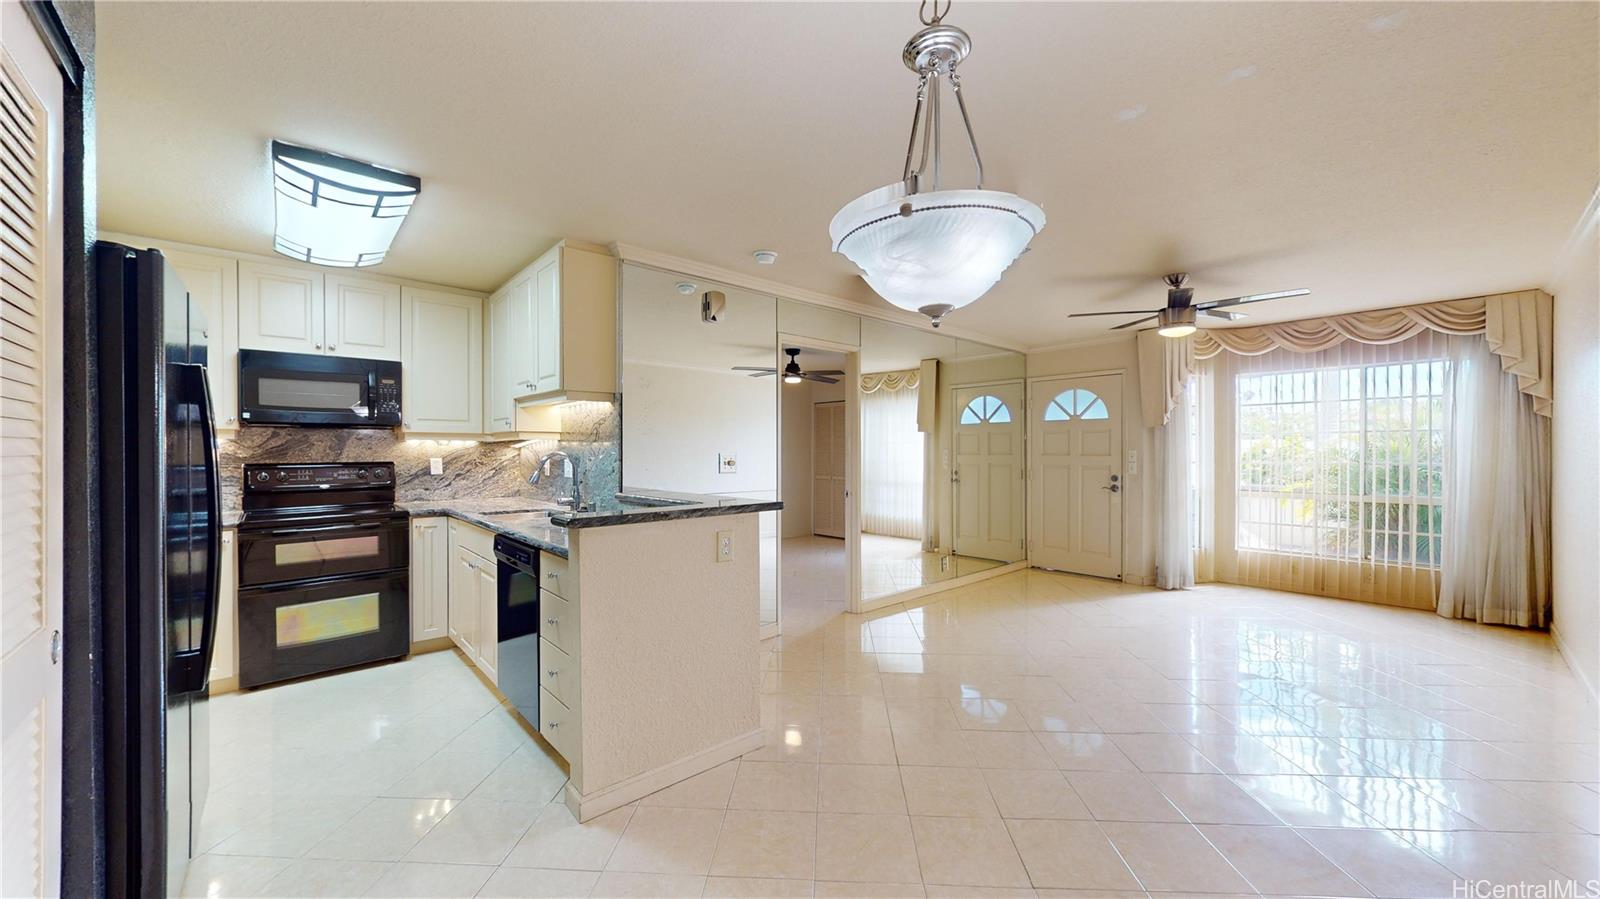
1375, 153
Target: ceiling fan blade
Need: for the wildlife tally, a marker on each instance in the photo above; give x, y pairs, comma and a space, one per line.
1252, 298
823, 371
1125, 312
1137, 321
813, 376
1218, 313
768, 369
762, 374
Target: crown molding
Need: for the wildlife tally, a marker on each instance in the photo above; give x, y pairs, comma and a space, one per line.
678, 265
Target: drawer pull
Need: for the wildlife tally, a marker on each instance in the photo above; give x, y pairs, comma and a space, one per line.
550, 575
552, 621
552, 724
552, 672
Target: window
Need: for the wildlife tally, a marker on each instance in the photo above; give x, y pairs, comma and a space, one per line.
1343, 462
1075, 402
986, 409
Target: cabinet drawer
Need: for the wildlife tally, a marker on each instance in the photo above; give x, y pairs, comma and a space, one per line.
558, 673
558, 622
555, 576
556, 723
472, 537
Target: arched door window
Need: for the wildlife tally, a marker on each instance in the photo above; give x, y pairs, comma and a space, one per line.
986, 409
1076, 403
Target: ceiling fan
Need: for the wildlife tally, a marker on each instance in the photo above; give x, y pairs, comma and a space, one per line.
792, 373
1177, 318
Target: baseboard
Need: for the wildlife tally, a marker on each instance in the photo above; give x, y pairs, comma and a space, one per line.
220, 685
418, 647
1139, 580
585, 806
1572, 664
914, 593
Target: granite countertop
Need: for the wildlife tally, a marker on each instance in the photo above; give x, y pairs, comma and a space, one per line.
637, 506
520, 518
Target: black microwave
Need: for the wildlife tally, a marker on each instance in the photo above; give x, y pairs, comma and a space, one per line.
308, 389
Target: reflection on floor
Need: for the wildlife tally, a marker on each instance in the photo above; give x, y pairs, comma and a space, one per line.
894, 564
1037, 731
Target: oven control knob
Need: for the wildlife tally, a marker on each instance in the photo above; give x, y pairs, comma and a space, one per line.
263, 477
361, 473
283, 476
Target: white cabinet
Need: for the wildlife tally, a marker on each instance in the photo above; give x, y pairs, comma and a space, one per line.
442, 387
213, 283
463, 611
430, 579
225, 655
560, 329
280, 308
362, 318
501, 410
487, 595
296, 310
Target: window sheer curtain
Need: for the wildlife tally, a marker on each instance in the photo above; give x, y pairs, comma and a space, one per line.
1175, 550
891, 457
1496, 565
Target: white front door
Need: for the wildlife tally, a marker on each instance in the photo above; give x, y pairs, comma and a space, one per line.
828, 458
987, 471
31, 455
1077, 474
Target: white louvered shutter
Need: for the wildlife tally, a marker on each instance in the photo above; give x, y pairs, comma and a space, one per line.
30, 462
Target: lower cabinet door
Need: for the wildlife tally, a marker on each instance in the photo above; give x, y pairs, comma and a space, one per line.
488, 601
463, 604
430, 579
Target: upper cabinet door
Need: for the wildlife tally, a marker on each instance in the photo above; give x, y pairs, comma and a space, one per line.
213, 283
442, 384
280, 308
502, 398
363, 318
521, 367
547, 326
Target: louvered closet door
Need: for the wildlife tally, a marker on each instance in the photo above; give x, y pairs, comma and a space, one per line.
30, 454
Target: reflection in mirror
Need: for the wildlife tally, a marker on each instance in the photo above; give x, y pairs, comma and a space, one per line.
699, 414
812, 447
941, 458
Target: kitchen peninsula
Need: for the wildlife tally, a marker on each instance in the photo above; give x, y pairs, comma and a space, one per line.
641, 668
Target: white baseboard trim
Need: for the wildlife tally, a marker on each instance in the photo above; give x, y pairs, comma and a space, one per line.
1572, 664
585, 806
915, 593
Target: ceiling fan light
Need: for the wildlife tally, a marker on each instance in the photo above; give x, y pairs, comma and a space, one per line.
791, 378
1176, 322
934, 252
336, 211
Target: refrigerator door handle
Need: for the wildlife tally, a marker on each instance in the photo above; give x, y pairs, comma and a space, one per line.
199, 392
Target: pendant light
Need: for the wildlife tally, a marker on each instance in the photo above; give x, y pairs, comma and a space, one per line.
920, 247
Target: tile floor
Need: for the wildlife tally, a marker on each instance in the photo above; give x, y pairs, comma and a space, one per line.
895, 564
1034, 735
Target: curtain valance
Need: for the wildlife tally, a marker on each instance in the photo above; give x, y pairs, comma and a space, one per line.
1517, 326
890, 380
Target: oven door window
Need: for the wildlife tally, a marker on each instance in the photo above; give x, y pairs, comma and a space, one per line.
333, 549
328, 619
276, 555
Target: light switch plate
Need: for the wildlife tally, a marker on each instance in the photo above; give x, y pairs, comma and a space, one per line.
1133, 462
435, 465
724, 546
727, 463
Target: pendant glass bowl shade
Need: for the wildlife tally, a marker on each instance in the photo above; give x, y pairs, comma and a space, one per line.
938, 251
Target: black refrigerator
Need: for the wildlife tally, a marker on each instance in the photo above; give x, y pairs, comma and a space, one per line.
161, 530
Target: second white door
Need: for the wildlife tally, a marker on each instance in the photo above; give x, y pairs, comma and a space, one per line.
828, 461
987, 471
1077, 474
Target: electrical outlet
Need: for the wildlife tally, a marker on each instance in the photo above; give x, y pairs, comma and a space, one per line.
1133, 462
724, 546
727, 464
435, 465
944, 563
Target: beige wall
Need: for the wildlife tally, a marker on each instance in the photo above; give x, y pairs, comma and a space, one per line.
1140, 495
1575, 515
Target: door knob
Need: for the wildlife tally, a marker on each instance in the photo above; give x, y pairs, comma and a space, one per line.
1114, 488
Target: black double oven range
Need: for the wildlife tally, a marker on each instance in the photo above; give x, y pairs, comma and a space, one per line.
324, 560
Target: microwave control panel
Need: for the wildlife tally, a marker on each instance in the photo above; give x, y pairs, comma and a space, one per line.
386, 396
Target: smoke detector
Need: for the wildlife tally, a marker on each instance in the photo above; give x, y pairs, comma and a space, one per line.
765, 257
685, 288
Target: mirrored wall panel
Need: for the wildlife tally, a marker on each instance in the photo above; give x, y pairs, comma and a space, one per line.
942, 458
699, 396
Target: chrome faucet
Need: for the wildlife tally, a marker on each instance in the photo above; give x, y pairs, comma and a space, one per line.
570, 470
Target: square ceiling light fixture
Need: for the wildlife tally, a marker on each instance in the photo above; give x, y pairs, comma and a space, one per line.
336, 211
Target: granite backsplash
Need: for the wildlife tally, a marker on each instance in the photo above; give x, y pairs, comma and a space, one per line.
590, 432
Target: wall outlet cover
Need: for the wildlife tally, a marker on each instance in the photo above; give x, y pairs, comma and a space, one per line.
724, 546
727, 463
435, 465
